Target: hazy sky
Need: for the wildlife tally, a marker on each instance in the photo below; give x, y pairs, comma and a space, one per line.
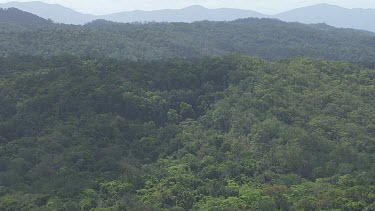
265, 6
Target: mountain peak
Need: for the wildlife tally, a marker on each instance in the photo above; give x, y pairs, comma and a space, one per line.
28, 3
319, 13
326, 5
55, 12
333, 15
195, 7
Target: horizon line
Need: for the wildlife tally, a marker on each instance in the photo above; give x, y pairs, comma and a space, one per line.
181, 8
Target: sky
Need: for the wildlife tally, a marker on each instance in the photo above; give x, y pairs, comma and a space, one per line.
264, 6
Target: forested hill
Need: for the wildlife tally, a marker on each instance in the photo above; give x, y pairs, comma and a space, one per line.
231, 133
267, 38
13, 15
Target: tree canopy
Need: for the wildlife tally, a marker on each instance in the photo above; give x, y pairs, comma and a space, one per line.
266, 38
220, 133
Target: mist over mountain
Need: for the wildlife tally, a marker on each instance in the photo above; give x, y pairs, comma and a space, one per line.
332, 15
322, 13
55, 12
189, 14
66, 15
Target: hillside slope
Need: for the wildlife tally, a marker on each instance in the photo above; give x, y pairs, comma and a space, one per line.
13, 15
267, 38
55, 12
231, 133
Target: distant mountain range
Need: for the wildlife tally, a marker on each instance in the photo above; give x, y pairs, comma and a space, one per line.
322, 13
55, 12
332, 15
66, 15
189, 14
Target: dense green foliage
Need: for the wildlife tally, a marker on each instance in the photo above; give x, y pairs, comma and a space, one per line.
233, 133
266, 38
